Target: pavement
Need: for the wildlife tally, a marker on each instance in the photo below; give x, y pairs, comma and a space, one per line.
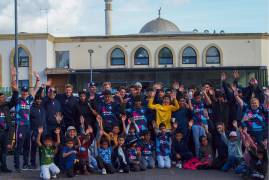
155, 174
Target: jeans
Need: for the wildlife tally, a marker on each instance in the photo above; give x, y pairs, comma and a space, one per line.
231, 162
33, 148
242, 169
197, 132
23, 137
148, 162
164, 161
47, 170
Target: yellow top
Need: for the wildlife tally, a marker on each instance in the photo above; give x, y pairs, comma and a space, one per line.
163, 112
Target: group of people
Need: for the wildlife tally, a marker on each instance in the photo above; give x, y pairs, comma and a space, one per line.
136, 129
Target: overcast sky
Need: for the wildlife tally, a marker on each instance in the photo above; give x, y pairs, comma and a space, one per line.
86, 17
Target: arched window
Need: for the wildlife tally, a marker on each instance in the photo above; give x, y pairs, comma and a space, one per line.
117, 57
141, 57
212, 56
165, 56
189, 56
23, 58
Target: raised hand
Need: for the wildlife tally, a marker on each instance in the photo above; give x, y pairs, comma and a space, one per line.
235, 125
59, 117
57, 131
223, 76
89, 130
40, 130
82, 120
123, 118
236, 74
36, 75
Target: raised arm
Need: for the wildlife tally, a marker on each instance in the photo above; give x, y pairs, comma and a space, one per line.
237, 98
37, 84
38, 140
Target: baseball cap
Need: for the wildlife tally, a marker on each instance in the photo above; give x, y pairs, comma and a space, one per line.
71, 128
138, 84
24, 89
91, 84
233, 134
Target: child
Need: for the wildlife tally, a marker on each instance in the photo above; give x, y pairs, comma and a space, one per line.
132, 131
134, 155
120, 156
70, 158
164, 111
234, 148
104, 158
206, 152
83, 155
163, 146
147, 150
180, 149
47, 152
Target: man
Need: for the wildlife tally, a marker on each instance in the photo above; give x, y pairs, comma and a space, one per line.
23, 131
68, 103
6, 128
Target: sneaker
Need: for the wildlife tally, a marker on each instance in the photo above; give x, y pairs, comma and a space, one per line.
257, 175
18, 170
179, 165
32, 167
54, 176
121, 171
25, 167
104, 171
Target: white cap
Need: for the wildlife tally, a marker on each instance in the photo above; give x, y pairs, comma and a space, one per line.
233, 134
71, 128
138, 84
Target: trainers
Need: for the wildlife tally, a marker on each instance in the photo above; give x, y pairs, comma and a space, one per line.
179, 165
25, 167
257, 175
54, 176
32, 167
121, 171
104, 171
18, 170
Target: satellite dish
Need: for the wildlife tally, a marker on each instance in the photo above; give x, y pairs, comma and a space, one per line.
195, 30
206, 31
222, 32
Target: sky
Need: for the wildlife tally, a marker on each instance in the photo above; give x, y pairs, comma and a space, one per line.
86, 17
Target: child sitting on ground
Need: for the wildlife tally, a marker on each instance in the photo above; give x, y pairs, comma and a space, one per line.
104, 158
120, 156
180, 149
47, 152
147, 151
70, 158
134, 157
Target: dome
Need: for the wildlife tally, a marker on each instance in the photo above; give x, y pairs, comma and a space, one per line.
159, 25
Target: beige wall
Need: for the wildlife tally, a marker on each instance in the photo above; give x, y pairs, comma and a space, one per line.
240, 52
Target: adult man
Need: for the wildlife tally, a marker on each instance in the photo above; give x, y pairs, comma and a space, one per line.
6, 128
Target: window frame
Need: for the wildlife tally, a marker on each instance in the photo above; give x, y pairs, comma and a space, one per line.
159, 58
143, 58
206, 55
117, 58
184, 57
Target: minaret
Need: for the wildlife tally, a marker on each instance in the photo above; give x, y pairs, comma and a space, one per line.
108, 16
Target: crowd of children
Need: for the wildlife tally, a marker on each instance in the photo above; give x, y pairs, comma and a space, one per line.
135, 129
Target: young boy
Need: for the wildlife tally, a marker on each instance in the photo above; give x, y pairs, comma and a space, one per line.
104, 158
147, 151
164, 110
47, 152
234, 147
70, 158
163, 146
180, 149
134, 156
120, 156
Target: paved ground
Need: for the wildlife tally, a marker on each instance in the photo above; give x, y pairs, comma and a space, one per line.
156, 174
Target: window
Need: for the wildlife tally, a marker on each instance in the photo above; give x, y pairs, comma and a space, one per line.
23, 83
212, 56
23, 58
189, 56
117, 57
141, 57
165, 56
62, 59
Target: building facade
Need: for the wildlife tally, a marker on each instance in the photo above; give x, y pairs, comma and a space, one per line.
189, 58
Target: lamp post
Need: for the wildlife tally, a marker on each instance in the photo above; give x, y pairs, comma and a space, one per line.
90, 51
16, 40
